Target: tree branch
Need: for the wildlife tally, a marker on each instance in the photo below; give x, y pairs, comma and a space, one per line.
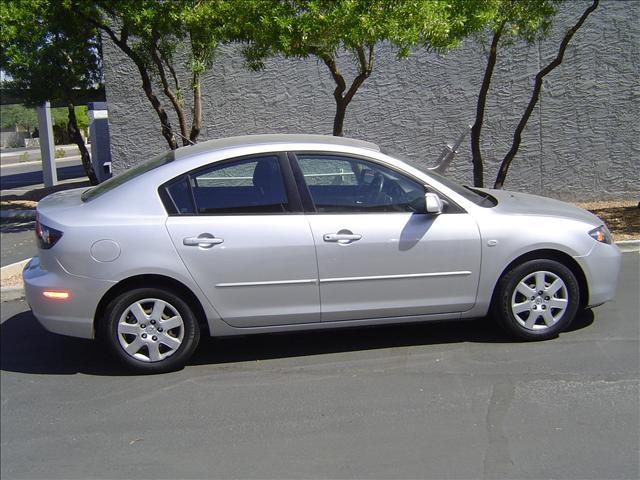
517, 136
478, 167
147, 86
365, 70
76, 137
175, 101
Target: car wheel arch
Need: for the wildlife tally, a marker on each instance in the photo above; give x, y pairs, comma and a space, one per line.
156, 281
549, 254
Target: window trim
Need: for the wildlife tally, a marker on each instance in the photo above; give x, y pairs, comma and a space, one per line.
294, 203
305, 192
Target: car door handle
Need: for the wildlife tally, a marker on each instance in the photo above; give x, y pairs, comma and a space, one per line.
204, 240
341, 237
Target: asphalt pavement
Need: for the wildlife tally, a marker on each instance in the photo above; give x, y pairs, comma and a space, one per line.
18, 242
30, 173
442, 400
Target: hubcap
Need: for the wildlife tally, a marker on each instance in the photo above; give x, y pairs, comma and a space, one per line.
150, 330
540, 300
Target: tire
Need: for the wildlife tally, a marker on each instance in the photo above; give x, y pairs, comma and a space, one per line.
536, 300
150, 330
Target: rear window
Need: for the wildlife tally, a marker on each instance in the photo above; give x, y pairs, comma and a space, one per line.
127, 175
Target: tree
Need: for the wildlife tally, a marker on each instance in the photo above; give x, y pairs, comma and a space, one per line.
535, 95
528, 21
49, 55
18, 115
149, 32
323, 28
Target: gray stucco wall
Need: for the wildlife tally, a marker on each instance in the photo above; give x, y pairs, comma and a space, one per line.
582, 141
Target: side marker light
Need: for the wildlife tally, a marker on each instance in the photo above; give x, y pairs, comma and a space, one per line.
56, 295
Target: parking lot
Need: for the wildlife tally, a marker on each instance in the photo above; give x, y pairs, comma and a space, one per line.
454, 400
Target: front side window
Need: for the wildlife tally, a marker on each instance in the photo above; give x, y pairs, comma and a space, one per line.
340, 184
253, 185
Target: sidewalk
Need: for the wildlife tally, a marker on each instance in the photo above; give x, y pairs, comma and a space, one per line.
32, 154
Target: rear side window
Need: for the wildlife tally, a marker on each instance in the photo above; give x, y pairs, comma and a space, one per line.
249, 186
128, 175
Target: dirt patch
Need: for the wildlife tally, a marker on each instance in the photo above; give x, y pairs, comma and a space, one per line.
622, 217
38, 194
17, 204
30, 199
12, 281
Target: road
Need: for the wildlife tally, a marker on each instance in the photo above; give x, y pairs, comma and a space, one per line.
18, 241
30, 173
449, 400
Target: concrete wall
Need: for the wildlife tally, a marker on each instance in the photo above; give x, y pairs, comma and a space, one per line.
582, 142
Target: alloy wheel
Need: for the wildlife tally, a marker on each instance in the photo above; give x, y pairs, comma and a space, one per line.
150, 330
539, 300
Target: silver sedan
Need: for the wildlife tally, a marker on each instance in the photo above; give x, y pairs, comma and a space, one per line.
276, 233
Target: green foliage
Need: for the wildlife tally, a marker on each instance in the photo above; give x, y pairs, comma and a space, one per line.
301, 28
59, 153
527, 20
27, 118
47, 51
322, 28
163, 26
12, 115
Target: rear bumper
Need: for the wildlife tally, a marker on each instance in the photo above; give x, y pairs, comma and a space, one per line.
601, 267
73, 317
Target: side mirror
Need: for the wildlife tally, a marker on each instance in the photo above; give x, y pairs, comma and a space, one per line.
433, 203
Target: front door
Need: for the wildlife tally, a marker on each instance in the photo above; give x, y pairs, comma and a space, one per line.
376, 258
252, 256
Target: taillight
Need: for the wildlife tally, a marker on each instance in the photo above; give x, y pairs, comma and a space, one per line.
47, 236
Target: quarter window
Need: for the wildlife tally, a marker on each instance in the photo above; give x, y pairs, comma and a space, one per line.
253, 185
341, 185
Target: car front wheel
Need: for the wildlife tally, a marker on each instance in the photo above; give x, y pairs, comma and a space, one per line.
537, 299
151, 330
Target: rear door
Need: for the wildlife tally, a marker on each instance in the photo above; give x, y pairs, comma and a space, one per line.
376, 257
240, 230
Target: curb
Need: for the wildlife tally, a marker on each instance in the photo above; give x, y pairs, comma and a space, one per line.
628, 246
17, 214
13, 269
12, 293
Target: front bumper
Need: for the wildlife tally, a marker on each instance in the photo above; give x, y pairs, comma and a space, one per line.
73, 317
601, 267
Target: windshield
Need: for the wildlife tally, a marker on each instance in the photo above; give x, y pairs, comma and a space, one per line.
127, 175
478, 197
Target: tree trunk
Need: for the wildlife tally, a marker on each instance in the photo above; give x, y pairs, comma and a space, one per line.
535, 95
478, 164
76, 137
166, 88
338, 119
147, 85
167, 131
196, 121
343, 99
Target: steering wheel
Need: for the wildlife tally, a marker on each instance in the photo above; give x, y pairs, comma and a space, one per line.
376, 186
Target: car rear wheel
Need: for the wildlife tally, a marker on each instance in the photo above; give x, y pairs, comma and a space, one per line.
537, 299
151, 330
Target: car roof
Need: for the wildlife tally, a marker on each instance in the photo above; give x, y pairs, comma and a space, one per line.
271, 139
